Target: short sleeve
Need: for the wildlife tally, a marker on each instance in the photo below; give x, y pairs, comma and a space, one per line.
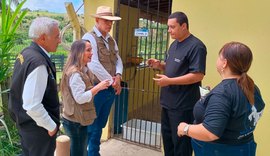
197, 59
217, 114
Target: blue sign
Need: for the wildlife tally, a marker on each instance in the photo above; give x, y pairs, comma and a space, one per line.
141, 32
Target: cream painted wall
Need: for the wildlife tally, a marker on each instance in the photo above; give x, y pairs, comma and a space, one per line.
247, 21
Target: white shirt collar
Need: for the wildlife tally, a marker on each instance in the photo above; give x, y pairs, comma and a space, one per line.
99, 33
85, 69
49, 55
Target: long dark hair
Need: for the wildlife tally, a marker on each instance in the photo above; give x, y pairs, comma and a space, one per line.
239, 58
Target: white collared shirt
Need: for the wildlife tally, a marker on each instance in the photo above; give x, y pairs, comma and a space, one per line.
95, 66
78, 87
33, 92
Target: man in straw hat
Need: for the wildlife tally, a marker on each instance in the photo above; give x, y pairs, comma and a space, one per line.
106, 64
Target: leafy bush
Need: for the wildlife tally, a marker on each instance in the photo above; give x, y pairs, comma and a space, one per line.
10, 22
6, 148
24, 41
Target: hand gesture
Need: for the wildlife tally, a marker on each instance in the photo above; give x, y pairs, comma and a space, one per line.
103, 85
161, 80
153, 63
117, 85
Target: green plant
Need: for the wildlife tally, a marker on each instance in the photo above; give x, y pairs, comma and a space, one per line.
10, 21
6, 148
6, 128
157, 45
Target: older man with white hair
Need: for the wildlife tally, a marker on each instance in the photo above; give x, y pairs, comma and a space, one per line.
106, 64
33, 102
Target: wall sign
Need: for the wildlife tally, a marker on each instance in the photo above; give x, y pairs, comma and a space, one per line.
141, 32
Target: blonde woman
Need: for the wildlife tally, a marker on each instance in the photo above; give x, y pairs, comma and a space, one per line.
77, 93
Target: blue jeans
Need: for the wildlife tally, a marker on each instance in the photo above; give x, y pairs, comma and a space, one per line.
78, 137
103, 102
214, 149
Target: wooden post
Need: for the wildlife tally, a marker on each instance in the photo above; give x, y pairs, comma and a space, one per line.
73, 21
62, 146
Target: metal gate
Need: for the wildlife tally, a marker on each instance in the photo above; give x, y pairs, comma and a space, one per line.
141, 34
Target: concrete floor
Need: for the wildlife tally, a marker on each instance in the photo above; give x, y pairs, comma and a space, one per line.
114, 147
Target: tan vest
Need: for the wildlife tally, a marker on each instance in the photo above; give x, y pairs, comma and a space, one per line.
106, 57
84, 114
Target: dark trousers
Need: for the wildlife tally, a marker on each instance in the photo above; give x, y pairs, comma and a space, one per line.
78, 137
35, 141
174, 145
214, 149
103, 102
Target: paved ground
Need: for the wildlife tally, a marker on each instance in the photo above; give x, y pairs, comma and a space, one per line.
114, 147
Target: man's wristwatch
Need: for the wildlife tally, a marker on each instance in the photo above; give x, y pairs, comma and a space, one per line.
186, 129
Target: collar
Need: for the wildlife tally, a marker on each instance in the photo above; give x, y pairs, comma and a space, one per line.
99, 33
49, 55
85, 69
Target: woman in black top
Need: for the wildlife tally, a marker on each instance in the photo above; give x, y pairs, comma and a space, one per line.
226, 118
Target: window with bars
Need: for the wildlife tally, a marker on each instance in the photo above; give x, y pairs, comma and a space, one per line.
155, 44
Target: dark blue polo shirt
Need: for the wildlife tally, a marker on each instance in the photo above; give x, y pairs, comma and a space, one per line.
226, 112
188, 56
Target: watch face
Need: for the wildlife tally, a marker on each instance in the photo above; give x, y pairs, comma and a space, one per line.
186, 129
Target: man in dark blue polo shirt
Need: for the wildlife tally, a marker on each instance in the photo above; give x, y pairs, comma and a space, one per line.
184, 68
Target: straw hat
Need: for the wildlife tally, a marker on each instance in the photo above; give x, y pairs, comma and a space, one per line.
105, 12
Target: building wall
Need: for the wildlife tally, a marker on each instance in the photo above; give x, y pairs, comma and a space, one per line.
219, 22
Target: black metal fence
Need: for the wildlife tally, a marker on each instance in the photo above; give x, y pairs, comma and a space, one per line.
59, 61
137, 111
